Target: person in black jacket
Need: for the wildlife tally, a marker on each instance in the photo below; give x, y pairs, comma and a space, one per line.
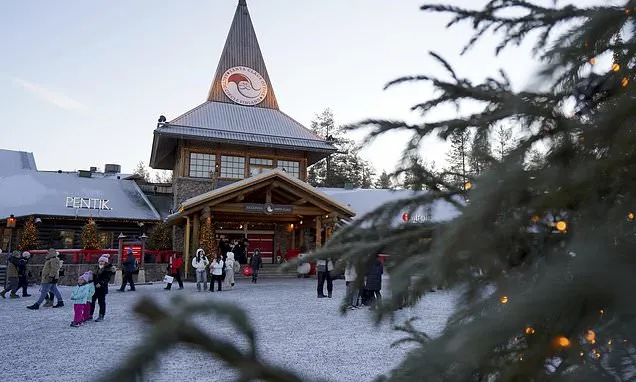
128, 269
373, 283
101, 278
23, 274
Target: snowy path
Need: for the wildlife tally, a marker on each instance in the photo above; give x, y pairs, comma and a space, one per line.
295, 330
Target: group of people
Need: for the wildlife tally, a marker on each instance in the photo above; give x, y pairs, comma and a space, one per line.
369, 295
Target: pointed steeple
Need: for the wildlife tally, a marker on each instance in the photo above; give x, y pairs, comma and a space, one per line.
241, 76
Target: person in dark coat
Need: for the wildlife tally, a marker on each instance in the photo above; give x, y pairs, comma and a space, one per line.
373, 283
23, 274
239, 252
256, 263
101, 278
13, 275
128, 269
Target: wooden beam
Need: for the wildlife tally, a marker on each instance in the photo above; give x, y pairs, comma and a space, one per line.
268, 194
300, 201
196, 224
303, 194
187, 247
239, 208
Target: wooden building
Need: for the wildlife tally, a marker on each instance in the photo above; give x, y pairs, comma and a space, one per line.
242, 162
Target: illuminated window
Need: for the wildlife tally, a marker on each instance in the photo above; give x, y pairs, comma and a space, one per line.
201, 165
290, 167
258, 165
232, 167
66, 239
105, 239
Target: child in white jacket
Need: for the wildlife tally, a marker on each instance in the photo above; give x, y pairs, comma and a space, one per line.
200, 263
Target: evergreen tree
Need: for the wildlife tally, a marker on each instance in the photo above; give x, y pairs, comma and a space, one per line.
90, 240
384, 181
344, 166
142, 171
503, 141
162, 176
480, 158
544, 258
208, 238
160, 238
458, 156
29, 237
416, 173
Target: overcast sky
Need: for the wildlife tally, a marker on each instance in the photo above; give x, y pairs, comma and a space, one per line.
82, 83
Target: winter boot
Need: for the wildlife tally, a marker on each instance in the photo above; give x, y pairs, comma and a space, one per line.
75, 324
26, 295
3, 293
14, 296
100, 318
34, 307
59, 304
329, 294
48, 304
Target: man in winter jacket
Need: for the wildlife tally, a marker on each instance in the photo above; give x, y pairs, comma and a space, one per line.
50, 274
23, 274
324, 269
128, 269
13, 264
174, 268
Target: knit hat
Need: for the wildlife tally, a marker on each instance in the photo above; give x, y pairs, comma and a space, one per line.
83, 277
104, 258
87, 276
129, 251
26, 254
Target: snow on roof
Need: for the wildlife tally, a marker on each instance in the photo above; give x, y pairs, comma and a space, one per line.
66, 194
15, 161
363, 201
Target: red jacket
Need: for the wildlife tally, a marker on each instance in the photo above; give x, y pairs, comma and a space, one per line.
177, 262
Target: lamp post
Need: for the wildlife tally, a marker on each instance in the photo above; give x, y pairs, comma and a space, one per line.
141, 277
11, 220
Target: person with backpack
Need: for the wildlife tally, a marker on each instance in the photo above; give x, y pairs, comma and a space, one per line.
129, 267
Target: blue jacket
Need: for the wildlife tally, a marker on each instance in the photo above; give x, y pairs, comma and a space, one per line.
129, 264
81, 294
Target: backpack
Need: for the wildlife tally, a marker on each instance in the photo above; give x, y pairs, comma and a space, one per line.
136, 267
237, 266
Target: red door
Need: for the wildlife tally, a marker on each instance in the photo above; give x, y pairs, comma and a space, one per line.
265, 242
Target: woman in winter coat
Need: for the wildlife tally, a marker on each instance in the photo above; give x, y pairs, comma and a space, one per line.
373, 283
200, 264
256, 262
216, 270
101, 278
231, 266
353, 293
174, 268
50, 275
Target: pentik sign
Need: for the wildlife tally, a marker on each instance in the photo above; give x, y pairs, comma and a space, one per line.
87, 203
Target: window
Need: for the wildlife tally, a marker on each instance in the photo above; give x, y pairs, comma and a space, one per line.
258, 165
232, 167
290, 167
201, 165
66, 239
105, 239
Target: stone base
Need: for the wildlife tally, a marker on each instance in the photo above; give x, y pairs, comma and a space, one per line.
141, 277
118, 277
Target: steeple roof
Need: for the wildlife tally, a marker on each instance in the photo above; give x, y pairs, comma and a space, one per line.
241, 76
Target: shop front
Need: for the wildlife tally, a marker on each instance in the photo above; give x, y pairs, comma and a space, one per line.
275, 212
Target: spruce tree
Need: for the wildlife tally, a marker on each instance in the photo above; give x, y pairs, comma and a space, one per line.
544, 258
160, 238
90, 240
384, 181
29, 236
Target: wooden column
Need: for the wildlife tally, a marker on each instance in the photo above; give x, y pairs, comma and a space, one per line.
268, 195
293, 237
196, 229
318, 233
186, 255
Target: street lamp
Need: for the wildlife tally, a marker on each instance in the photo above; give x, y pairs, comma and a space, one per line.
11, 220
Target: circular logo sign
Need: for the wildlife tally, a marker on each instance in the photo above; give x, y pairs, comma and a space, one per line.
244, 85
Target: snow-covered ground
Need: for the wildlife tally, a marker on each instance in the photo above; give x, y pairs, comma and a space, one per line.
296, 330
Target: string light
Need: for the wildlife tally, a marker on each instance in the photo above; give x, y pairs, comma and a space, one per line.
561, 226
562, 342
468, 185
504, 299
590, 336
616, 67
630, 216
609, 342
535, 219
581, 354
530, 330
624, 81
602, 311
593, 60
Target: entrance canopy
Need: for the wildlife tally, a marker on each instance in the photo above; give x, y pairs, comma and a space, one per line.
273, 196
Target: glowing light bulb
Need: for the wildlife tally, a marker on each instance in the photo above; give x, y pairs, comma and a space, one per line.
590, 336
504, 299
561, 226
593, 60
562, 342
625, 81
468, 186
630, 216
530, 330
616, 67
